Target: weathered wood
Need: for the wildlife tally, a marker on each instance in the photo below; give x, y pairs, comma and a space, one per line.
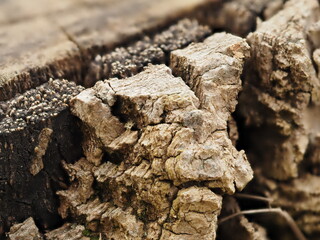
128, 61
45, 39
162, 147
238, 17
105, 23
38, 108
25, 230
40, 43
33, 51
281, 89
37, 132
280, 106
60, 40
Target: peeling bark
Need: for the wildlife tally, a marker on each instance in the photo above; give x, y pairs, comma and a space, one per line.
40, 151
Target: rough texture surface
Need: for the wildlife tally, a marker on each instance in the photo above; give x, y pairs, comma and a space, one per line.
25, 231
31, 52
212, 69
281, 90
158, 151
37, 131
145, 103
67, 231
36, 105
155, 151
46, 39
280, 109
239, 17
125, 62
193, 215
40, 150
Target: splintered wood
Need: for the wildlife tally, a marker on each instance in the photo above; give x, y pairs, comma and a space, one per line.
26, 118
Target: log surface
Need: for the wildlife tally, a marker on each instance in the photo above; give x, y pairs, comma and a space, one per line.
45, 39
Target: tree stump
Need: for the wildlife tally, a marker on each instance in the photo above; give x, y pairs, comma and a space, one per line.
145, 119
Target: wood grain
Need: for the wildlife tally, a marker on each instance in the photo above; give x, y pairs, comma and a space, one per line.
44, 39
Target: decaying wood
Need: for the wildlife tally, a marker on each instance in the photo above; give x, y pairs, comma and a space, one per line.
125, 62
37, 131
283, 88
157, 142
31, 52
34, 112
29, 231
25, 230
152, 151
280, 106
67, 231
45, 39
54, 40
240, 16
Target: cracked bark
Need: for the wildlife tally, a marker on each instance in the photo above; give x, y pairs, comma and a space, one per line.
279, 105
167, 141
159, 150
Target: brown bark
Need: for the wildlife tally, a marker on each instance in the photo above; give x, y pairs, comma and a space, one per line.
280, 106
152, 153
163, 148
